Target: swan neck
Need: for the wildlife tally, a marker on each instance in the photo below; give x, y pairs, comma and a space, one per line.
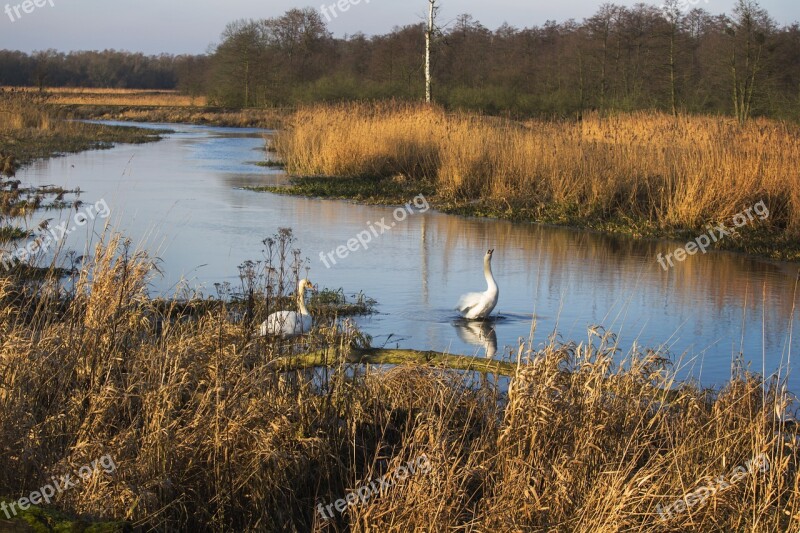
301, 300
487, 272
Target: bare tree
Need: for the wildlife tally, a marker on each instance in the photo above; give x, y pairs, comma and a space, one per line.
430, 32
672, 12
239, 53
601, 28
748, 35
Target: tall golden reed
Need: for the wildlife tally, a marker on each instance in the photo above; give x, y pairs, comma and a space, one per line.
672, 172
70, 96
208, 435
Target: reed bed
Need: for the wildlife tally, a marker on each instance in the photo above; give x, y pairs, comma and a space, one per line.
31, 128
117, 97
246, 118
23, 110
52, 104
207, 434
650, 168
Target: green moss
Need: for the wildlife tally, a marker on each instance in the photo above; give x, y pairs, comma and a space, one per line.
335, 302
271, 164
375, 191
46, 520
381, 356
30, 145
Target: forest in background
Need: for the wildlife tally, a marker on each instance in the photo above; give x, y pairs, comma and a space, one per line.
622, 58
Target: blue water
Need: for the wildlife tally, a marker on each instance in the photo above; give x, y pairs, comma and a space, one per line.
181, 199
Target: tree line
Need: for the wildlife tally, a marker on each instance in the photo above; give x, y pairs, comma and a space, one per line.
96, 69
621, 58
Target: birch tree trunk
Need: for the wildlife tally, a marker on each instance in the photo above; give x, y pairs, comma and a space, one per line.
428, 42
672, 12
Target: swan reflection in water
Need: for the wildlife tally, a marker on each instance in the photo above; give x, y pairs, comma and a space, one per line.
479, 333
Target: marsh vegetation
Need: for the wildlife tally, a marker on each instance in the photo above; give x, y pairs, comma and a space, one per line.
644, 174
215, 427
209, 434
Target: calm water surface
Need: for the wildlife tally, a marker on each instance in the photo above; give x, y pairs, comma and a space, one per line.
181, 199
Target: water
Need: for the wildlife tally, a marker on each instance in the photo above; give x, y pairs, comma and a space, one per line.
181, 199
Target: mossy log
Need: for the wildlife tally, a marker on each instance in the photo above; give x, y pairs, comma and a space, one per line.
380, 356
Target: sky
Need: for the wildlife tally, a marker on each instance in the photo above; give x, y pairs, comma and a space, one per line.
191, 26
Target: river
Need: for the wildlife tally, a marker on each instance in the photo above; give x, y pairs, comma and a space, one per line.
183, 200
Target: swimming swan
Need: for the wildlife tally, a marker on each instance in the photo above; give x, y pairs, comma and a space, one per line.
290, 323
479, 305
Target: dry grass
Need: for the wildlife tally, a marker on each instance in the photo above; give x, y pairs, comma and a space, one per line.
115, 97
247, 118
21, 110
139, 105
668, 172
206, 434
31, 127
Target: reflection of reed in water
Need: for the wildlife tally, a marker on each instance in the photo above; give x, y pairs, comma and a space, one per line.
478, 333
590, 264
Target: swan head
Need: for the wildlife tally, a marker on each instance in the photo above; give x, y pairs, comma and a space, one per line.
306, 285
489, 253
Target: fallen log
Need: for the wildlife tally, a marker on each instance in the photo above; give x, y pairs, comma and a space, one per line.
382, 356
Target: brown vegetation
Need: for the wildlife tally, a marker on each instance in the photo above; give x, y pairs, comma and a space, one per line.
32, 128
44, 110
652, 171
116, 97
131, 105
239, 118
207, 434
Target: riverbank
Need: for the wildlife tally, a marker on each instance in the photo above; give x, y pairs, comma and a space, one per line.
46, 519
132, 105
643, 175
211, 427
760, 240
32, 129
206, 116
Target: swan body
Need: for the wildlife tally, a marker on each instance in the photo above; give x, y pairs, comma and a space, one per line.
479, 305
288, 324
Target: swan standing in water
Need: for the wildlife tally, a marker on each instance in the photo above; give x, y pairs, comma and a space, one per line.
290, 323
479, 305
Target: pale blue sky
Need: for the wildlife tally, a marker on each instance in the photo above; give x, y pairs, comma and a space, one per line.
189, 26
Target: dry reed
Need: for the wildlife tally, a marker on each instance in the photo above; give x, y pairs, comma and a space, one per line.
116, 97
206, 435
667, 172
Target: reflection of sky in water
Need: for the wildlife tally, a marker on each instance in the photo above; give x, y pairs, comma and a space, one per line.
181, 199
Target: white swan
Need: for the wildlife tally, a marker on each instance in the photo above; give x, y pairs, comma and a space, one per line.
290, 323
479, 305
